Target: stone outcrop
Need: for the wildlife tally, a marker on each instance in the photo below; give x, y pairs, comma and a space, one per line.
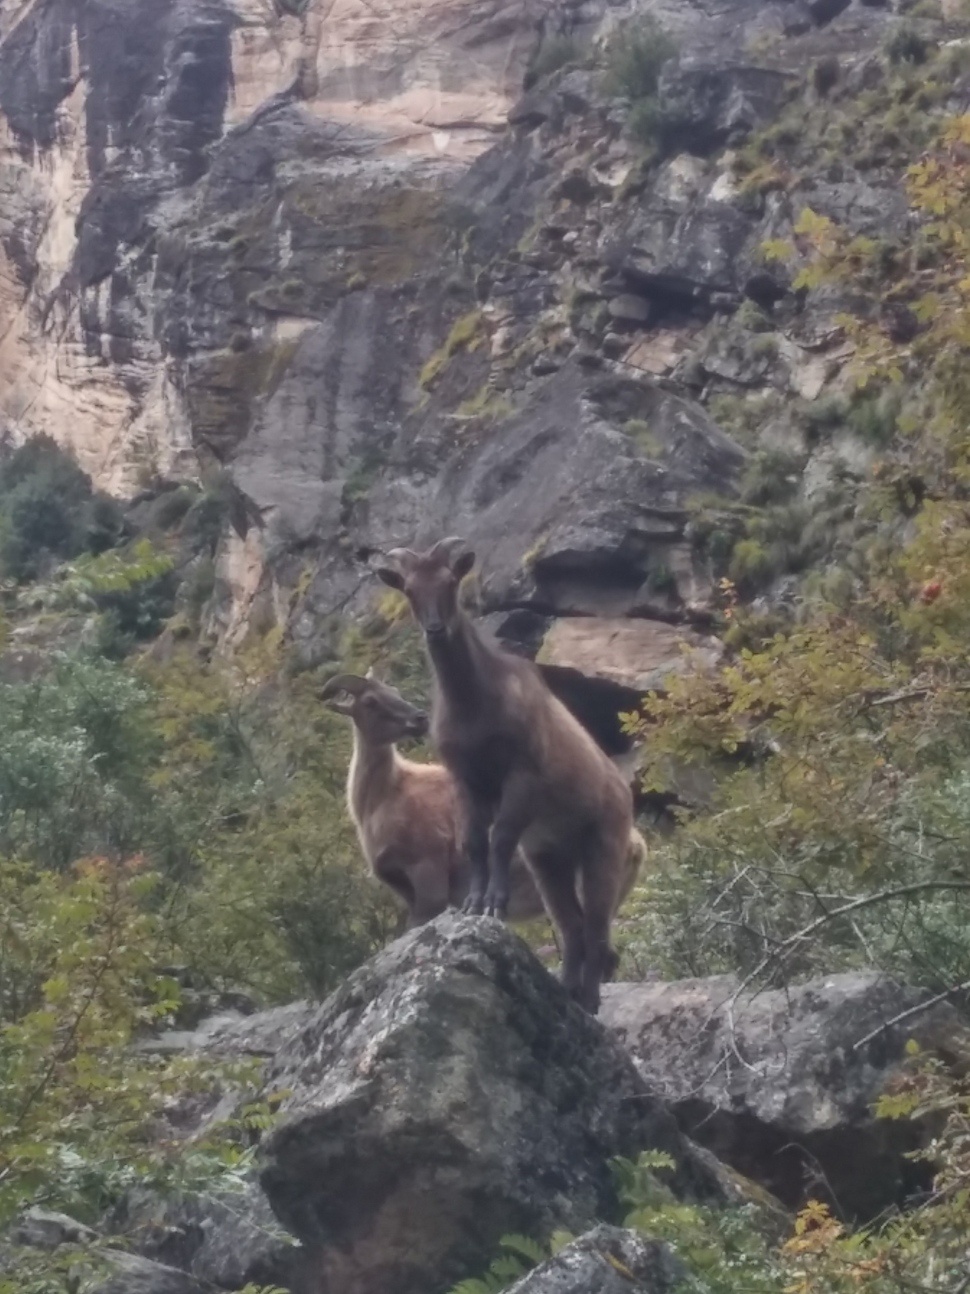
781, 1084
636, 654
450, 1093
610, 1261
225, 1240
135, 1275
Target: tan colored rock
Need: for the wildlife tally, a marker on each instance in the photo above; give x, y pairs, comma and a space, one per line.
242, 564
659, 352
432, 79
638, 654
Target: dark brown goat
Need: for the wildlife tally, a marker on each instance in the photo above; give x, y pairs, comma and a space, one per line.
408, 815
528, 770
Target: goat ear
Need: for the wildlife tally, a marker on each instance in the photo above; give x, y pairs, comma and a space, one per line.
390, 576
463, 564
396, 562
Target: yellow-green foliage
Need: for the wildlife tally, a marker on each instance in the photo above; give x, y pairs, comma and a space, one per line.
886, 124
281, 902
80, 979
640, 431
853, 724
467, 333
393, 606
532, 555
751, 563
485, 404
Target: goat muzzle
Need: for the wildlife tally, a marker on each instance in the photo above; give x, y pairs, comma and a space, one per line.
418, 726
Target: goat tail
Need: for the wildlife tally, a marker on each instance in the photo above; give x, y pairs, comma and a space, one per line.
636, 856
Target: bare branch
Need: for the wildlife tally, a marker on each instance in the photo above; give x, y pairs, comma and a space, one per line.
912, 1011
870, 900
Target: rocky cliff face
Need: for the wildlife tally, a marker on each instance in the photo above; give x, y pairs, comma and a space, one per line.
129, 128
330, 246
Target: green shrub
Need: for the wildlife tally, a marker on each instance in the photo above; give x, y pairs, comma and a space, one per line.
173, 506
824, 415
553, 53
206, 520
639, 429
752, 565
762, 346
874, 418
197, 588
80, 982
634, 58
749, 315
48, 511
744, 416
905, 44
645, 121
771, 476
635, 55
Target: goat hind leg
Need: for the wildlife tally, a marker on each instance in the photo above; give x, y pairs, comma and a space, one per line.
600, 893
556, 880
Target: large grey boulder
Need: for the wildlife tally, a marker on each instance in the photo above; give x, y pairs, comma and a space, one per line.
38, 1228
610, 1261
134, 1275
448, 1094
781, 1084
704, 106
115, 1271
224, 1240
232, 1036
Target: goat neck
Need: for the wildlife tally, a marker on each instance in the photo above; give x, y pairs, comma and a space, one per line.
372, 772
460, 660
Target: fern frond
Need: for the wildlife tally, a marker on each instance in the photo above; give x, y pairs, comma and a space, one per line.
525, 1247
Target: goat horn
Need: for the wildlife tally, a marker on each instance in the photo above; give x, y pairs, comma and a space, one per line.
449, 547
400, 556
351, 683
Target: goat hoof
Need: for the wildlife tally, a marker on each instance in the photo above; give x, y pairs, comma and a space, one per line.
496, 908
474, 905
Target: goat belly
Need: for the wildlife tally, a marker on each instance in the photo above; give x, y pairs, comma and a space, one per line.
546, 833
483, 771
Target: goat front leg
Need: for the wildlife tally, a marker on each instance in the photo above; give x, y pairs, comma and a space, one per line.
477, 820
511, 820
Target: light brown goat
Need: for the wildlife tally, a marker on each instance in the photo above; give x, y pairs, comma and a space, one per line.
528, 771
408, 815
